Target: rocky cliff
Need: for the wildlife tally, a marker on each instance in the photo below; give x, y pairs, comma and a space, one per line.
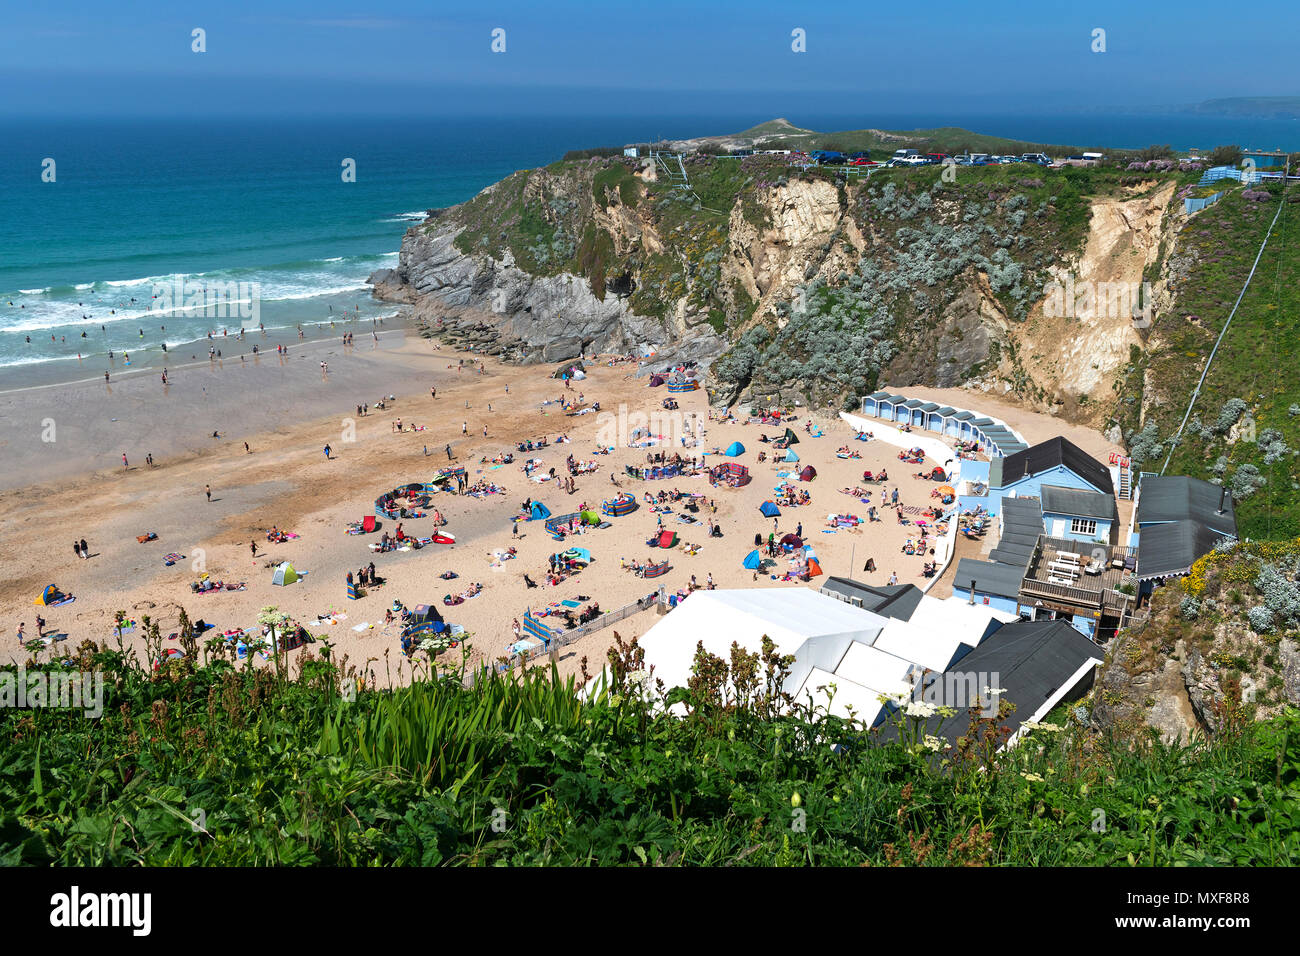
812, 284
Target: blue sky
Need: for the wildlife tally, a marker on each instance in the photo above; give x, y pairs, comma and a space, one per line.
133, 57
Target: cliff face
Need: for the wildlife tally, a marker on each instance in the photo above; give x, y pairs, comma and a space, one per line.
789, 283
1220, 645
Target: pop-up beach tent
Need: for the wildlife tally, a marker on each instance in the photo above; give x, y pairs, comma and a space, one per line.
52, 596
590, 517
284, 574
793, 540
769, 509
667, 539
538, 511
790, 455
656, 380
753, 561
814, 566
790, 437
808, 473
734, 449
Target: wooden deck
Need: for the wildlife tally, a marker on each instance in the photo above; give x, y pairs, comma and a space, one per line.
1058, 573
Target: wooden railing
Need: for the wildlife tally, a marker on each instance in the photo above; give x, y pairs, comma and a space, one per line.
1065, 592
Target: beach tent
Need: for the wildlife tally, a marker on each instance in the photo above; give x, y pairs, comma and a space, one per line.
753, 561
579, 374
590, 517
790, 437
734, 449
814, 566
284, 574
808, 473
51, 596
769, 509
656, 380
793, 540
667, 539
790, 455
538, 511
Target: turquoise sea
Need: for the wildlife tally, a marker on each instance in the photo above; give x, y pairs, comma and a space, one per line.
137, 204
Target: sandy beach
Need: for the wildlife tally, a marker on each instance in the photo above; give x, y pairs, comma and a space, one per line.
287, 410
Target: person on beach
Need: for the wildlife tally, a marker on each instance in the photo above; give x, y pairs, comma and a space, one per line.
106, 377
449, 452
21, 636
124, 464
76, 549
253, 545
85, 549
893, 578
207, 490
327, 452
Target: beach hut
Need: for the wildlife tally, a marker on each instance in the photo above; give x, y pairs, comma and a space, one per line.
753, 561
734, 450
284, 574
538, 511
808, 473
769, 509
790, 455
871, 404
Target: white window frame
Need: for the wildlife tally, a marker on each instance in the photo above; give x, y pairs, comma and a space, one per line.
1086, 526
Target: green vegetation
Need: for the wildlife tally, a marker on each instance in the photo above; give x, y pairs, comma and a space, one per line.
207, 764
1252, 375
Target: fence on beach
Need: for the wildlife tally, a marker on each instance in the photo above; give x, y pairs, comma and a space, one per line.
565, 638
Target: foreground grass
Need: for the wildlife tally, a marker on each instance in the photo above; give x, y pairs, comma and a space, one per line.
222, 766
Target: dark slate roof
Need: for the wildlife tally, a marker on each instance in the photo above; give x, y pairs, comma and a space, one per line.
991, 577
965, 416
913, 403
1032, 660
878, 395
947, 411
1049, 454
928, 407
1079, 503
1022, 523
897, 600
1172, 548
1180, 498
